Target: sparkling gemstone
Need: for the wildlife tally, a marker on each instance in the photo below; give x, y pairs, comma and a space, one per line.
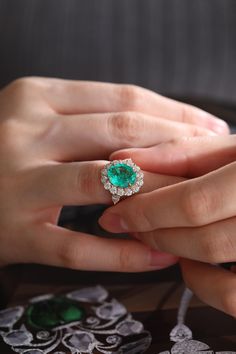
115, 198
121, 175
140, 182
104, 179
113, 190
104, 172
107, 185
54, 312
135, 188
136, 168
140, 175
128, 191
120, 192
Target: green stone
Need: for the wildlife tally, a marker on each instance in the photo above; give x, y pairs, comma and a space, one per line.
121, 175
53, 312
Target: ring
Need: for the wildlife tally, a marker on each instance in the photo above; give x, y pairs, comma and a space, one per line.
122, 178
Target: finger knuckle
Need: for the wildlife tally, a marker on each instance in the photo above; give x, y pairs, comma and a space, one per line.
24, 85
126, 261
224, 246
228, 301
23, 90
126, 127
130, 97
85, 178
209, 248
187, 113
8, 136
197, 204
68, 255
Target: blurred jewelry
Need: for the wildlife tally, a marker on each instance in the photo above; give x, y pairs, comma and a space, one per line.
182, 335
86, 320
122, 178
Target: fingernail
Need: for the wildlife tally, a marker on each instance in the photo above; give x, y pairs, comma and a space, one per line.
220, 127
161, 260
113, 223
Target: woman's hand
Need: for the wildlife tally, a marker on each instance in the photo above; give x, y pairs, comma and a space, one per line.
54, 138
194, 219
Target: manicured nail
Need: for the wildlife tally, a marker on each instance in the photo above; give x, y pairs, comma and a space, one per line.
161, 259
113, 223
220, 127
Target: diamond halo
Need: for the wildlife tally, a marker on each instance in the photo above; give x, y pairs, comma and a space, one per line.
122, 178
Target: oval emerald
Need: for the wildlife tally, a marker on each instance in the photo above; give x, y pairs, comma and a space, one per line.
121, 175
53, 312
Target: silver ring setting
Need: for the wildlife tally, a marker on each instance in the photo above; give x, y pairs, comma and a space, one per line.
122, 178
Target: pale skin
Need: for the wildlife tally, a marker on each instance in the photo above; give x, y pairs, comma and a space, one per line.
194, 219
55, 137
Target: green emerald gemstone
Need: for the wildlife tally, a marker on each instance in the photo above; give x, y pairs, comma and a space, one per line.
53, 312
121, 175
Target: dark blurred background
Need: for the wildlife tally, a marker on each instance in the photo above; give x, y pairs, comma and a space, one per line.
180, 48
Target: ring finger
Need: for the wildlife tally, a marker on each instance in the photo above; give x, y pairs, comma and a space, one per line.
77, 183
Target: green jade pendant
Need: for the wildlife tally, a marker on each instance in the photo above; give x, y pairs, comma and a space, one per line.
122, 178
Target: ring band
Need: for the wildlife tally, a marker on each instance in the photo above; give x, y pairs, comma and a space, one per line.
122, 178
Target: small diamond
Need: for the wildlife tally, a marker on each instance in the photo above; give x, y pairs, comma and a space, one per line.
140, 182
120, 192
115, 162
128, 162
135, 188
104, 179
107, 185
128, 191
140, 175
104, 172
136, 168
113, 190
115, 199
